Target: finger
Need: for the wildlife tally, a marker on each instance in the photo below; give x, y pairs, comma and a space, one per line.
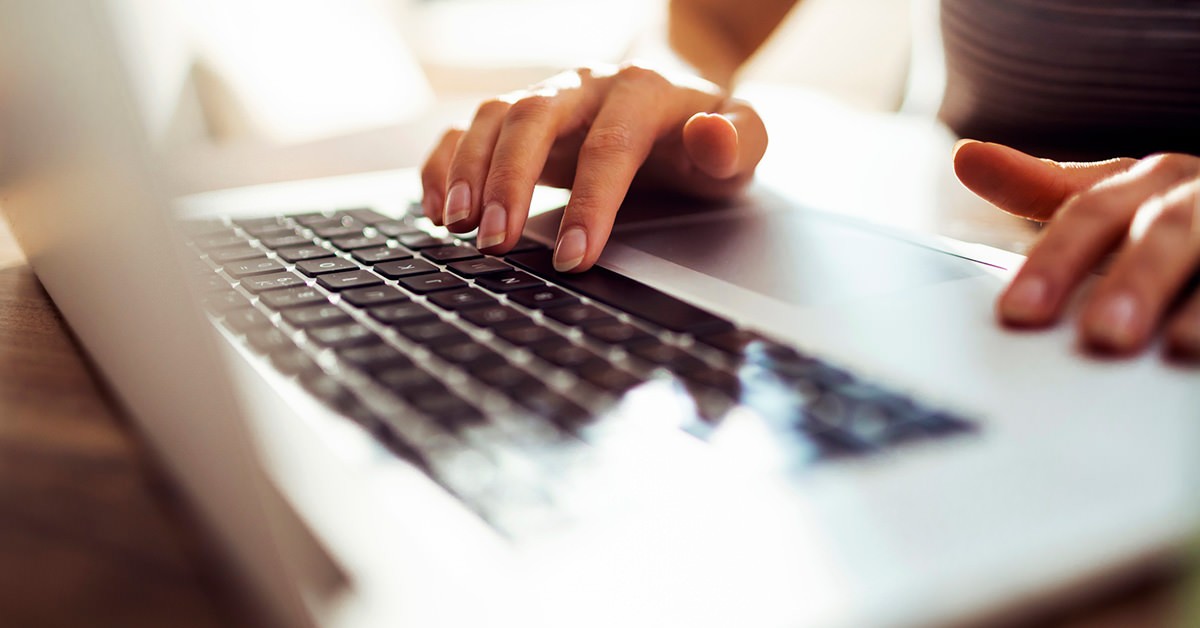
470, 164
1183, 333
1022, 184
433, 175
1124, 310
726, 144
526, 138
620, 138
1084, 230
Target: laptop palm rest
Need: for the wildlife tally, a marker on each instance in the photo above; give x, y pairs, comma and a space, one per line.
773, 248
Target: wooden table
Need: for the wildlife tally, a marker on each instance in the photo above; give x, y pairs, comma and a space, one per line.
90, 533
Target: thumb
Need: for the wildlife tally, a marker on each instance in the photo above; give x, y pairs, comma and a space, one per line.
1022, 184
727, 144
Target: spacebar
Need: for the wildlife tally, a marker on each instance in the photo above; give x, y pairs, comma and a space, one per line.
623, 293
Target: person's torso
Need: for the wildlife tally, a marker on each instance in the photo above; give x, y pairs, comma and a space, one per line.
1074, 78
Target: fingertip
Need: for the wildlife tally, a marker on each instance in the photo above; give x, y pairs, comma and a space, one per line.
711, 142
1115, 323
1027, 303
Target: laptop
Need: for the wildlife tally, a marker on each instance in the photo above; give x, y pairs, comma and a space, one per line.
751, 414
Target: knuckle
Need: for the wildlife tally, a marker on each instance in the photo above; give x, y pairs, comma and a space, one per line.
1097, 206
491, 108
530, 108
503, 175
611, 139
640, 75
1176, 217
1169, 164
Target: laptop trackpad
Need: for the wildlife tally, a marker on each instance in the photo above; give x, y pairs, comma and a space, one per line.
795, 256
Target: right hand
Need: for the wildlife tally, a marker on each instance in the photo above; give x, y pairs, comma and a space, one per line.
597, 131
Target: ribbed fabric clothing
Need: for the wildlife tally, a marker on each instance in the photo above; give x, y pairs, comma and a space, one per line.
1074, 78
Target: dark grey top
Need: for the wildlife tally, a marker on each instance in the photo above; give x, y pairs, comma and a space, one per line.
1075, 78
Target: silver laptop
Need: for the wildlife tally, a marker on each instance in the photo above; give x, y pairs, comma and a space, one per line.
753, 414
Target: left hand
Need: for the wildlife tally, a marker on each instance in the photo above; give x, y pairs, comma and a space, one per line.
1146, 212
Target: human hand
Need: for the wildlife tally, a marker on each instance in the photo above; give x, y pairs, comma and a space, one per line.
597, 131
1146, 212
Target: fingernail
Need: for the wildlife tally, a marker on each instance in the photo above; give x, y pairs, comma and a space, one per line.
1114, 324
492, 226
1026, 300
572, 246
458, 203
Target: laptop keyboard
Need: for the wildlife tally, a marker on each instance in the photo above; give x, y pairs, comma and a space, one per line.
462, 362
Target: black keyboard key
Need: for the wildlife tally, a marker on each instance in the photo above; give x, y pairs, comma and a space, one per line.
580, 314
617, 333
256, 266
417, 241
732, 341
316, 316
234, 254
345, 281
406, 313
246, 319
462, 299
377, 295
224, 301
337, 229
404, 380
525, 335
269, 231
543, 298
294, 361
624, 294
494, 316
405, 268
219, 241
373, 358
364, 215
525, 245
326, 389
285, 241
395, 228
275, 281
562, 352
269, 340
433, 282
563, 412
468, 353
311, 218
668, 356
478, 267
315, 267
345, 335
433, 333
509, 379
715, 379
351, 243
292, 297
451, 253
379, 254
509, 281
448, 409
296, 254
605, 376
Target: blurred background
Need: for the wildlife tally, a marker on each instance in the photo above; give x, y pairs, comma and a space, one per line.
246, 91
